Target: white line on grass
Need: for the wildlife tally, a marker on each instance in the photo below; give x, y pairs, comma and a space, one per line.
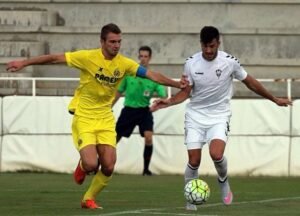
254, 201
151, 211
146, 211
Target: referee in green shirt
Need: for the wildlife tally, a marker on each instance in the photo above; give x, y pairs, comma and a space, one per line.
138, 92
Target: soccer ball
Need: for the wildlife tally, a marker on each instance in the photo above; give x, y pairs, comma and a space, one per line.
196, 191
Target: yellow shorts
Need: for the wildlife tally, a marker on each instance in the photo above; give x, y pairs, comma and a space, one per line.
87, 131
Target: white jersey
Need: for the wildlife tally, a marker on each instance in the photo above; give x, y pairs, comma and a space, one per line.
212, 83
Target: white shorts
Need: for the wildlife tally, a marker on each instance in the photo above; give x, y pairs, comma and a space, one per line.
197, 134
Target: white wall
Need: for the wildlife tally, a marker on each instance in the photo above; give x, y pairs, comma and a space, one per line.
295, 142
36, 135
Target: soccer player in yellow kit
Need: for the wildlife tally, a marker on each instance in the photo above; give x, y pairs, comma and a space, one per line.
93, 127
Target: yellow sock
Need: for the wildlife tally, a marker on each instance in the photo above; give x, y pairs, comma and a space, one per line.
98, 184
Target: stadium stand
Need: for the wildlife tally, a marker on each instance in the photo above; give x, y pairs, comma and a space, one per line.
261, 34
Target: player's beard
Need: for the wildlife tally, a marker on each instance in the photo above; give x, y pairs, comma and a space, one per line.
113, 52
210, 57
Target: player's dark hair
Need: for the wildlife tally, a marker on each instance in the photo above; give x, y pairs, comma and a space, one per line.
146, 48
109, 28
208, 33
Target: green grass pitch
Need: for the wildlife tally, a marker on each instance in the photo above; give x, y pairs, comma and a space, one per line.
57, 194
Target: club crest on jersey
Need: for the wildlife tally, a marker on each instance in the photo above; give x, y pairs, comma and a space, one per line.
117, 73
218, 73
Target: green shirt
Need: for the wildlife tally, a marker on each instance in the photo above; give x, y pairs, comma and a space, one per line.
138, 91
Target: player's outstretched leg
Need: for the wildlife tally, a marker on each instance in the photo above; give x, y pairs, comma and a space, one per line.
79, 174
226, 193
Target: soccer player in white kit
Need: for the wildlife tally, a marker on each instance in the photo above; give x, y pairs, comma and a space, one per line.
210, 74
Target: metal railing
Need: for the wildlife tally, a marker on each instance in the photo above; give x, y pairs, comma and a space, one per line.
35, 79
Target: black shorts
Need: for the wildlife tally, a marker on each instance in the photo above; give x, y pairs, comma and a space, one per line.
131, 117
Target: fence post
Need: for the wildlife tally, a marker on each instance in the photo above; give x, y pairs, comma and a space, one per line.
289, 95
33, 88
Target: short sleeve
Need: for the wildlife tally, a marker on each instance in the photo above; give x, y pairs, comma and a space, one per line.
76, 59
239, 72
131, 67
161, 91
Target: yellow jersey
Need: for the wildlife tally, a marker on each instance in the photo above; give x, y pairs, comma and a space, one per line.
99, 80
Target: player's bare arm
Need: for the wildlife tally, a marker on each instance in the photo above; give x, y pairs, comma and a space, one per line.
14, 66
181, 96
259, 89
161, 79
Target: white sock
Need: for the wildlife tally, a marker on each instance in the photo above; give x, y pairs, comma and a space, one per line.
190, 173
221, 167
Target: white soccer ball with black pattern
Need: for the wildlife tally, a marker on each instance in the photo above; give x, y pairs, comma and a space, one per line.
196, 191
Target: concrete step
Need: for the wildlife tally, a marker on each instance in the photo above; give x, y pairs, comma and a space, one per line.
175, 14
152, 1
149, 30
269, 50
27, 17
153, 30
15, 74
171, 69
21, 48
175, 71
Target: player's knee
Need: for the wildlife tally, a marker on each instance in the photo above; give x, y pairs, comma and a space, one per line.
194, 162
90, 166
108, 170
148, 140
216, 156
